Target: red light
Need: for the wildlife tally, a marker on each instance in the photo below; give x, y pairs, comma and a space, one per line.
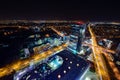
80, 22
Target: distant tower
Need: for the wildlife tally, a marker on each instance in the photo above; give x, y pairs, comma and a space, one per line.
118, 50
76, 37
80, 37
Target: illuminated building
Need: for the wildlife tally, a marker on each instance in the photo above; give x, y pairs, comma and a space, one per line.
24, 53
76, 37
118, 50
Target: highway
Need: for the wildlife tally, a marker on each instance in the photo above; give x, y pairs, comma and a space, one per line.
20, 64
100, 61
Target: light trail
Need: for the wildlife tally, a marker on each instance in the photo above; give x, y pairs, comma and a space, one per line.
99, 51
100, 63
113, 66
21, 64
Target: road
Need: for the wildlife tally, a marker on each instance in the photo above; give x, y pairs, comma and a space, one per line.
100, 61
99, 47
73, 68
59, 33
20, 64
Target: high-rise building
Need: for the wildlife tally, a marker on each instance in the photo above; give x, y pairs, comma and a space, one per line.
118, 50
76, 37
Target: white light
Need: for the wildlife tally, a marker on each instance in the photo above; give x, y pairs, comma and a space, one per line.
70, 62
69, 67
59, 76
78, 65
87, 78
118, 62
17, 79
35, 71
64, 71
66, 58
28, 77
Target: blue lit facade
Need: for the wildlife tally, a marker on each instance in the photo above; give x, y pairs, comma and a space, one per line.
76, 37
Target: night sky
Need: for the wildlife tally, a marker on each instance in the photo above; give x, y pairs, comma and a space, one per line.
60, 9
